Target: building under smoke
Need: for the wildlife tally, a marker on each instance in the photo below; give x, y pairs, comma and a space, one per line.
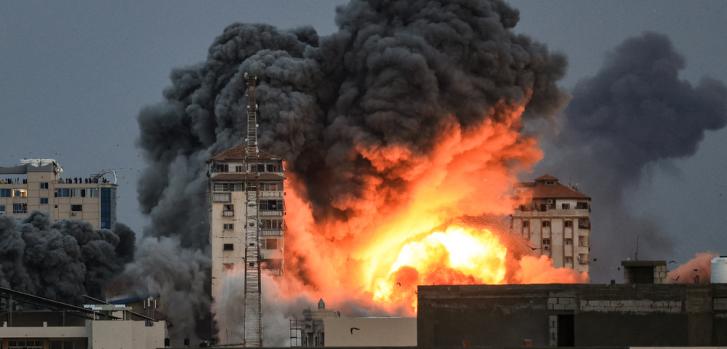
555, 220
36, 185
246, 230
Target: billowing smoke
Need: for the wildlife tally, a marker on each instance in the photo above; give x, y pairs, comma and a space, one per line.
634, 113
353, 113
695, 271
62, 261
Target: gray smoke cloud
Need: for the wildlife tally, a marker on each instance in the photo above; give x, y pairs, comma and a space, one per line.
62, 261
391, 75
634, 113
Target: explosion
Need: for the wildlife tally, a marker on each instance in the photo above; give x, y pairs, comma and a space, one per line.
420, 234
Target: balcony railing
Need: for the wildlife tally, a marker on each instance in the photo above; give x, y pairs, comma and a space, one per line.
228, 213
271, 213
271, 232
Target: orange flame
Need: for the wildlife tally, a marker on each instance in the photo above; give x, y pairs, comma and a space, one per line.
398, 239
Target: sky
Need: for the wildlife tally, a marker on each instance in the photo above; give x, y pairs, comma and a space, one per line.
74, 74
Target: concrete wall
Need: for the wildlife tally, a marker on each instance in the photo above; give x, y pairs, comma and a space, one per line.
370, 331
618, 315
117, 334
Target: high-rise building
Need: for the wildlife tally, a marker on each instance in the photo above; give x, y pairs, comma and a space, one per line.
37, 185
246, 223
555, 219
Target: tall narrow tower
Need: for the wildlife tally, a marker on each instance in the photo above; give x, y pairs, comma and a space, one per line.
253, 321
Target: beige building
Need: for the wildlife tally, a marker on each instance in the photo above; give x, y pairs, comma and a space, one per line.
327, 328
246, 201
37, 185
555, 219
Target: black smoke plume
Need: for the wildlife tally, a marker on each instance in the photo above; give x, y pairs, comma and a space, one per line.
634, 113
62, 261
392, 74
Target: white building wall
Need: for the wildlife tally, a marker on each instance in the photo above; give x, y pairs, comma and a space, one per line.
370, 332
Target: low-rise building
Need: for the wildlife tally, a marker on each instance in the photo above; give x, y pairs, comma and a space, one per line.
37, 185
32, 322
326, 328
555, 220
581, 315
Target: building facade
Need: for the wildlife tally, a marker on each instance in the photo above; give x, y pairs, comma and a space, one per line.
326, 328
37, 185
580, 315
555, 220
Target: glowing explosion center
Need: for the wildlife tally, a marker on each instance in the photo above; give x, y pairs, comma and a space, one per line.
456, 255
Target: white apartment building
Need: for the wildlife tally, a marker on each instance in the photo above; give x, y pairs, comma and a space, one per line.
232, 180
37, 185
556, 221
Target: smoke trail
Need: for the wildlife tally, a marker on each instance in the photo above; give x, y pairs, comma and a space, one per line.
395, 76
634, 112
63, 260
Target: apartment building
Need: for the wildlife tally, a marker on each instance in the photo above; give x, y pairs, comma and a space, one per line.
555, 219
37, 185
245, 195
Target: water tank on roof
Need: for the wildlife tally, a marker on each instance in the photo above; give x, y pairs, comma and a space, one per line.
719, 270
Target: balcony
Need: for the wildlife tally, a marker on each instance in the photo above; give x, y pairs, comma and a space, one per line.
271, 232
271, 213
271, 194
228, 213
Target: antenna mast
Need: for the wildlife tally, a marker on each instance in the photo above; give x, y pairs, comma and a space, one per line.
251, 148
253, 305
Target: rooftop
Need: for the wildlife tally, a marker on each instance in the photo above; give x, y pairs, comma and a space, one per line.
549, 187
238, 153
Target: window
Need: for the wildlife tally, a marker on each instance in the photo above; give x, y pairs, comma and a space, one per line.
565, 206
2, 210
272, 168
43, 185
546, 244
582, 241
568, 224
76, 208
44, 201
221, 168
83, 193
227, 187
526, 224
584, 223
568, 260
238, 168
92, 192
270, 186
543, 207
20, 193
228, 247
5, 193
260, 168
228, 226
20, 208
271, 205
568, 242
271, 244
583, 258
271, 224
546, 224
221, 197
582, 205
228, 210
